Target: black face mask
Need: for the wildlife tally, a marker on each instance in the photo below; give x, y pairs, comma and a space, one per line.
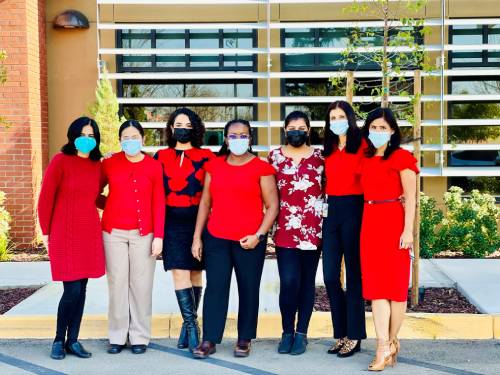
182, 135
296, 138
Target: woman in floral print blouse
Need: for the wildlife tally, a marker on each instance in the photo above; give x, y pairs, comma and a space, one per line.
298, 231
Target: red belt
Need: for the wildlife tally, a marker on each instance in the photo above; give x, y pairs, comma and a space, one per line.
383, 201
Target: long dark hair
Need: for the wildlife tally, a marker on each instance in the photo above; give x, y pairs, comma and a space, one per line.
331, 140
75, 131
224, 150
131, 123
196, 123
395, 140
298, 115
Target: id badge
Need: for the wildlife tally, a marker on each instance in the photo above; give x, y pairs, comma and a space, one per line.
325, 209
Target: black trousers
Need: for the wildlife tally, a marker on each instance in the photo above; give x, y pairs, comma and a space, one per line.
70, 311
221, 256
341, 237
297, 269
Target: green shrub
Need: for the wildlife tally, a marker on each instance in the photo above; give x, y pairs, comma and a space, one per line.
430, 218
4, 230
470, 225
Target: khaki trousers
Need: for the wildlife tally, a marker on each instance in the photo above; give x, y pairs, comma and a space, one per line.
130, 272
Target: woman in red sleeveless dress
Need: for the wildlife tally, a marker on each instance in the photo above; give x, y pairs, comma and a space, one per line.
388, 173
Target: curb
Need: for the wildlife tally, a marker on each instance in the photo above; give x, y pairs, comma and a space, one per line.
415, 326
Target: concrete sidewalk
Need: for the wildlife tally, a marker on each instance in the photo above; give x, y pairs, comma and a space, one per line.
45, 300
416, 358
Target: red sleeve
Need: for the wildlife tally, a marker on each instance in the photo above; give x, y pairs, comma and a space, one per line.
266, 169
403, 159
359, 167
48, 193
101, 199
158, 201
210, 165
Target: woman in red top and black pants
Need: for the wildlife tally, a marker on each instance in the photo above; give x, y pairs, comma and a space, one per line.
183, 177
343, 151
133, 221
71, 228
237, 186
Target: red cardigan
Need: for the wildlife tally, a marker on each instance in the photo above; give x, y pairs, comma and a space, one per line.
68, 215
136, 198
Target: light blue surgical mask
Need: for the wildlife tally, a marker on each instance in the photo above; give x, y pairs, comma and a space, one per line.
379, 139
131, 147
238, 146
339, 127
85, 144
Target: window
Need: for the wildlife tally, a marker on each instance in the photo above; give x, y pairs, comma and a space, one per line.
180, 39
328, 37
174, 39
474, 35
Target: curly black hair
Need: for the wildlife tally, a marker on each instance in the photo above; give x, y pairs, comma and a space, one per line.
198, 127
75, 130
394, 142
331, 141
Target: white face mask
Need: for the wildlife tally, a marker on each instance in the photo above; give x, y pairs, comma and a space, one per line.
339, 127
238, 146
379, 139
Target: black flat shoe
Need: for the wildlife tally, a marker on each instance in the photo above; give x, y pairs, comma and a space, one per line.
286, 343
337, 346
139, 349
299, 344
77, 349
115, 348
57, 351
349, 348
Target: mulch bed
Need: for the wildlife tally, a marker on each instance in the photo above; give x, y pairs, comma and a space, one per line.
436, 300
32, 254
11, 297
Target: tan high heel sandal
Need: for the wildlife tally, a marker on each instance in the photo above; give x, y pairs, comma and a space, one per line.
388, 350
397, 348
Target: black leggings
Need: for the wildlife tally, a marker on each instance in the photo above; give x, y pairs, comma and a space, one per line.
70, 311
297, 269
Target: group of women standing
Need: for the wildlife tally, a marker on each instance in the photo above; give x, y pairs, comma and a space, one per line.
353, 200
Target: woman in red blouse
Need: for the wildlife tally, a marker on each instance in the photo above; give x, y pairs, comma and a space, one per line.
299, 175
343, 151
387, 174
237, 186
71, 228
183, 165
133, 221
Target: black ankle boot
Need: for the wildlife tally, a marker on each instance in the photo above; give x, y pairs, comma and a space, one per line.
186, 300
183, 343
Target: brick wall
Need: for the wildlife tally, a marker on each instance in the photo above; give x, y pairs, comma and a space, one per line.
23, 102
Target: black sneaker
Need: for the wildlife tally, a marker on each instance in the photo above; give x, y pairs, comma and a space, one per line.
286, 343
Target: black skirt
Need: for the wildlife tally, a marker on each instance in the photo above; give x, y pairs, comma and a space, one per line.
180, 223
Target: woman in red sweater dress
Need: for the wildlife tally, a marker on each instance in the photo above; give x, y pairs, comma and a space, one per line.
71, 228
388, 173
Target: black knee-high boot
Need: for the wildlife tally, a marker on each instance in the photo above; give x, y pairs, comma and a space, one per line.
182, 343
186, 300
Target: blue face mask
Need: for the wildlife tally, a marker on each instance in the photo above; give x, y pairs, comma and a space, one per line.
131, 147
339, 127
238, 146
379, 139
85, 144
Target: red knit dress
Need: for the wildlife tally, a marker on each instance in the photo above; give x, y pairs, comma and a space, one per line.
385, 267
68, 215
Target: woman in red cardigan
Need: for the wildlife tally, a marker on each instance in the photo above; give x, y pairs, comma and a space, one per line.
133, 220
71, 229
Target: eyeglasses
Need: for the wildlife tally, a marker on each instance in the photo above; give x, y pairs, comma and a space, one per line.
238, 136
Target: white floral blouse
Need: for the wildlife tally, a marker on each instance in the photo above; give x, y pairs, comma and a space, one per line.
301, 200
